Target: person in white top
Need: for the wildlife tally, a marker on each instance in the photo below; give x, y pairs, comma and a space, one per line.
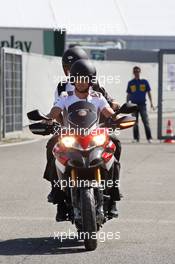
97, 99
70, 56
83, 68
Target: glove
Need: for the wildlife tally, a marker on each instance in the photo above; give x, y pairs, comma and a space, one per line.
41, 128
115, 106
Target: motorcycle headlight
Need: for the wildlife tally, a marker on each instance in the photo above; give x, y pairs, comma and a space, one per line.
99, 139
68, 141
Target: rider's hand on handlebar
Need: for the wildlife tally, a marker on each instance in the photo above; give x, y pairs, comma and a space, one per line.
48, 122
115, 106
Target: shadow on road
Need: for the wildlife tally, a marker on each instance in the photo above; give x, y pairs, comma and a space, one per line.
40, 246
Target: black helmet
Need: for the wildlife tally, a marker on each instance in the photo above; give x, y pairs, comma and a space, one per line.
82, 68
73, 54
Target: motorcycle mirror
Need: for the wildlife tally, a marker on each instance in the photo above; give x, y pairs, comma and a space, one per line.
36, 115
127, 108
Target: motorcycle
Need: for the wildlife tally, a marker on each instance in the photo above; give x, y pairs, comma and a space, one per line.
84, 159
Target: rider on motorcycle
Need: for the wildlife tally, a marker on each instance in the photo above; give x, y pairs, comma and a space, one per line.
83, 72
69, 57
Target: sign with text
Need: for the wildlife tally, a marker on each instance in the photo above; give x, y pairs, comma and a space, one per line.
27, 40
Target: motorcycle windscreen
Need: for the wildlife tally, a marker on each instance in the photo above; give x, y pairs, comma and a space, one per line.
82, 114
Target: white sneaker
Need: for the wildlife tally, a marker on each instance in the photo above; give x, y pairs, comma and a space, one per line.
135, 141
150, 141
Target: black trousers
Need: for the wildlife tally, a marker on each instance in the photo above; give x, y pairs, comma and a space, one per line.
142, 111
115, 170
50, 172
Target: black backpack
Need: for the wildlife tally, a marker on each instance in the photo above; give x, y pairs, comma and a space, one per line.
61, 87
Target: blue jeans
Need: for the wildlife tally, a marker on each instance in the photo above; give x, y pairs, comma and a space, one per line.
144, 115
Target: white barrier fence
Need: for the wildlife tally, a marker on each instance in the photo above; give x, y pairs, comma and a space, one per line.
42, 73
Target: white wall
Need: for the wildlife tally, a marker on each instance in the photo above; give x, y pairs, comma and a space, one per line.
42, 73
40, 78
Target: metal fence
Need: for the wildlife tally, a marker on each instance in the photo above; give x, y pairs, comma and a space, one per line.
166, 92
10, 91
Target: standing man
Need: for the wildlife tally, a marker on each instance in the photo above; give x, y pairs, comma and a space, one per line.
136, 93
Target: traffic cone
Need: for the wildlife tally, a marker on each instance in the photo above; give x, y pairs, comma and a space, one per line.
169, 133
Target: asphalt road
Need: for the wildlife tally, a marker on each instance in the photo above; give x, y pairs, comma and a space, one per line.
147, 213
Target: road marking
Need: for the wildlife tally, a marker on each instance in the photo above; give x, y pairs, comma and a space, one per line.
127, 220
25, 218
147, 221
20, 143
137, 221
149, 202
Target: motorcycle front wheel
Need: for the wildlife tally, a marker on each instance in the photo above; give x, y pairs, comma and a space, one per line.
88, 214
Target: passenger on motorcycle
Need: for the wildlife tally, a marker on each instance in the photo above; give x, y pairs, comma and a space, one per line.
70, 56
83, 72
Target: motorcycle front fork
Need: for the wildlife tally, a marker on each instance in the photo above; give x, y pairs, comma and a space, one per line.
97, 192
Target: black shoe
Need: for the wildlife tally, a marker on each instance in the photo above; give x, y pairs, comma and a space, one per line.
50, 197
61, 212
113, 212
55, 196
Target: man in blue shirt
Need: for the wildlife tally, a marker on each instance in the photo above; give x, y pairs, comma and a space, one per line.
136, 93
